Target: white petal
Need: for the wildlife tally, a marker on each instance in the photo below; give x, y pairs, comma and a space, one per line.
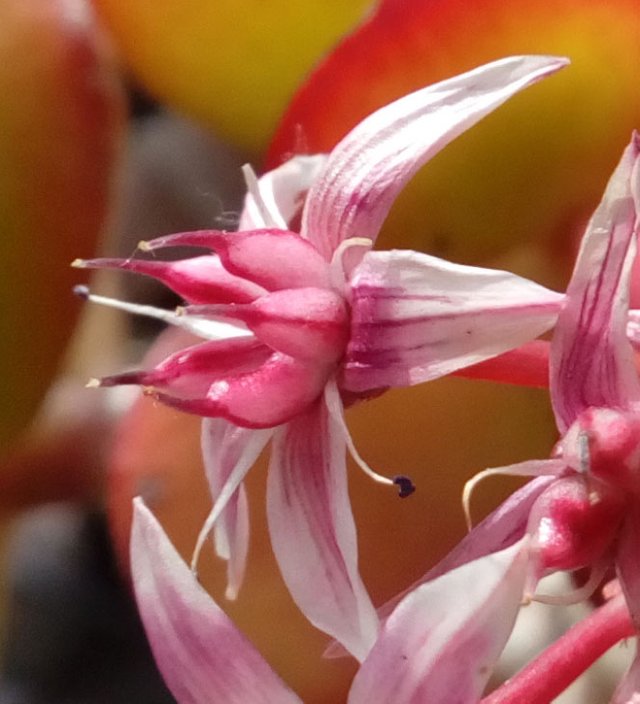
441, 642
280, 193
229, 452
231, 531
416, 317
312, 529
367, 170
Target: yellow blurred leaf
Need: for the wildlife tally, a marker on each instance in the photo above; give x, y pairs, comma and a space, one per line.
233, 64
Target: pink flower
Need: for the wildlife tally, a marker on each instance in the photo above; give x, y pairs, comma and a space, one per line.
583, 509
296, 325
426, 651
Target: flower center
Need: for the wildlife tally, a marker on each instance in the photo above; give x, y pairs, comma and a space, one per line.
306, 323
573, 523
605, 443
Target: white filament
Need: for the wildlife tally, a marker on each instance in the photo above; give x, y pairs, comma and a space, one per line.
334, 406
202, 327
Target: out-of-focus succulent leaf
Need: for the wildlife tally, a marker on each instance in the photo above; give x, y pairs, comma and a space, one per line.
233, 64
534, 169
60, 124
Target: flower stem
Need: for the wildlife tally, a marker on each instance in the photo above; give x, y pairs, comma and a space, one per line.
561, 663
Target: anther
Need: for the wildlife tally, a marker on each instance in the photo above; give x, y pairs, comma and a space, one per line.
406, 486
583, 452
81, 291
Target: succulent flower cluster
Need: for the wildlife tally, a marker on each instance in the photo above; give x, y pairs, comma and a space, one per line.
296, 316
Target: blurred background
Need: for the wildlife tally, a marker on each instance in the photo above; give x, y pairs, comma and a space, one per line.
126, 120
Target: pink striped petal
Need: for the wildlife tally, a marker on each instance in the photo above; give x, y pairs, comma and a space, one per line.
197, 280
591, 360
282, 192
228, 453
200, 653
312, 529
367, 170
628, 691
441, 642
416, 317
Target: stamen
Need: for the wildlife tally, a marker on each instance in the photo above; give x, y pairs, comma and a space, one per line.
341, 270
334, 405
270, 219
469, 488
535, 468
201, 327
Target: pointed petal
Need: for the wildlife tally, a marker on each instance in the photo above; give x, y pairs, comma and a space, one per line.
306, 323
190, 373
194, 238
591, 360
265, 256
273, 394
274, 259
628, 691
416, 317
200, 653
441, 642
198, 280
627, 565
367, 170
282, 191
228, 453
312, 529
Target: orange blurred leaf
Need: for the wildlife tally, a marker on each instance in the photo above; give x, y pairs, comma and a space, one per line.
529, 173
60, 124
